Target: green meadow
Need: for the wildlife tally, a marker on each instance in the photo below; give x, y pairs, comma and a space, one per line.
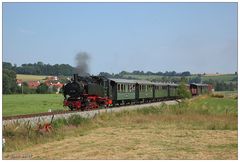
31, 103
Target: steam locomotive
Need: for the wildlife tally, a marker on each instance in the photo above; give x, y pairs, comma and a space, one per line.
92, 92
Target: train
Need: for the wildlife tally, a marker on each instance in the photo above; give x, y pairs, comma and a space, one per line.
93, 92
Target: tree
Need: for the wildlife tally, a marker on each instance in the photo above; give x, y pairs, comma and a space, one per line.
6, 84
182, 90
196, 79
7, 65
9, 81
42, 88
186, 73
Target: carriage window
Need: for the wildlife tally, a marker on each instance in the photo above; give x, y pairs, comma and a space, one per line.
119, 87
130, 88
133, 87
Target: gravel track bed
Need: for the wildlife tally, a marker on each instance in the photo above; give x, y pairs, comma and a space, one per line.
47, 116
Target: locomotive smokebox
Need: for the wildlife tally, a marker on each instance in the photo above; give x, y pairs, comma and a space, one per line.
75, 77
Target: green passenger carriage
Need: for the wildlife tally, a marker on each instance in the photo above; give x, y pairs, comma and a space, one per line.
160, 90
123, 90
172, 90
144, 90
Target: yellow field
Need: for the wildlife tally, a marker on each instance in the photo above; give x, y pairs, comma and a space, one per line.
131, 142
25, 77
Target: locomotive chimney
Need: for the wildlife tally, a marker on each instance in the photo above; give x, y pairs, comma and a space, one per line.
75, 77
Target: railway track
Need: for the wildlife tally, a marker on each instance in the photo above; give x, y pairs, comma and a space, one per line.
46, 116
35, 115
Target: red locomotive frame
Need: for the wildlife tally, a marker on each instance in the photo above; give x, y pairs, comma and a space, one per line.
93, 102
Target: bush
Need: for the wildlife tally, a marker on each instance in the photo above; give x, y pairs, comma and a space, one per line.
59, 123
42, 88
182, 91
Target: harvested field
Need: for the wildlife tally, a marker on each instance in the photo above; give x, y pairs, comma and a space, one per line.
138, 143
25, 77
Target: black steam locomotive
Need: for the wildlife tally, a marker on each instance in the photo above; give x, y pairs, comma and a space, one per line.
91, 92
86, 92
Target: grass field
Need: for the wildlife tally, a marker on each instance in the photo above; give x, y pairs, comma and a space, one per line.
31, 103
225, 77
25, 77
201, 128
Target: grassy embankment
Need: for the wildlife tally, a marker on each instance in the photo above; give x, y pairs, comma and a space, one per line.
31, 103
201, 128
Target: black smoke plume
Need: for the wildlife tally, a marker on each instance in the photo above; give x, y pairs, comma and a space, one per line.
82, 60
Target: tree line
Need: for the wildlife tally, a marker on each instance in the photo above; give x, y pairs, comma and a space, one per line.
40, 68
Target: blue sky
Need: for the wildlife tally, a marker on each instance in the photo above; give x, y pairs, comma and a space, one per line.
195, 37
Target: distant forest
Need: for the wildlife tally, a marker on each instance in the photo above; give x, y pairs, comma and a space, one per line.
40, 68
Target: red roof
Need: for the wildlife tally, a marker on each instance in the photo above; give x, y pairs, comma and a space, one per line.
33, 84
50, 83
59, 85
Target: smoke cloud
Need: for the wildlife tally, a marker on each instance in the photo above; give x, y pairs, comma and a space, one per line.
82, 64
